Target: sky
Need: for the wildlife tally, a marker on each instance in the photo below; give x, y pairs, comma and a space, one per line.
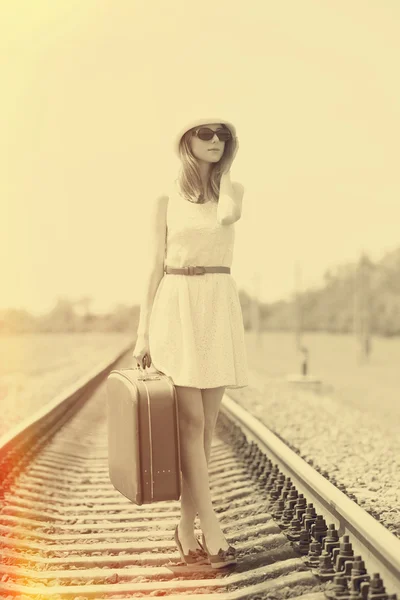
92, 93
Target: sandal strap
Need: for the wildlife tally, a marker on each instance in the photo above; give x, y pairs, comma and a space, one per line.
228, 553
195, 553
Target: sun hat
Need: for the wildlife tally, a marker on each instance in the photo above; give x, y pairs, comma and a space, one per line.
196, 123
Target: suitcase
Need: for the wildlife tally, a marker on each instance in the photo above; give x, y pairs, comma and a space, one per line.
143, 435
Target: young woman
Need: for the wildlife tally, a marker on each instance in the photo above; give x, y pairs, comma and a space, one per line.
191, 324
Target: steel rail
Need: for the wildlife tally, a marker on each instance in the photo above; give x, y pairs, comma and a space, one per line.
378, 547
58, 410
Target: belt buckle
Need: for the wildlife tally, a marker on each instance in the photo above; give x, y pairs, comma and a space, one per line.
195, 270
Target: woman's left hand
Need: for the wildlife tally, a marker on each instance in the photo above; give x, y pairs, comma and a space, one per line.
229, 160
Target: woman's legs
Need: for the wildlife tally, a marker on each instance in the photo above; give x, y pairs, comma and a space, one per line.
198, 411
212, 398
191, 424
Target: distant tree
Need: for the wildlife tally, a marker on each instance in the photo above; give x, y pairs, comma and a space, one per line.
61, 318
13, 320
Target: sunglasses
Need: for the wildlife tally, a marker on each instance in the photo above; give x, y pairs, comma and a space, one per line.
206, 134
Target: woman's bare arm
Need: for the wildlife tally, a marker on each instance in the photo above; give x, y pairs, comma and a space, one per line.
231, 194
154, 260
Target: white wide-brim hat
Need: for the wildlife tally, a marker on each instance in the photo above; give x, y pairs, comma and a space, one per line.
196, 123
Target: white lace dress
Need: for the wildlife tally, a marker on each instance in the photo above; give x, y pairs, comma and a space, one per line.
196, 333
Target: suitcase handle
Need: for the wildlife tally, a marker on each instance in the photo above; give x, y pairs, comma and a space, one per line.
149, 377
146, 376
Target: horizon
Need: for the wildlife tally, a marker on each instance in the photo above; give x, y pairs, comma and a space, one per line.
109, 308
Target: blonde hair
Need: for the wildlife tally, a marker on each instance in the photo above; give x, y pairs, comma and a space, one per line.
189, 179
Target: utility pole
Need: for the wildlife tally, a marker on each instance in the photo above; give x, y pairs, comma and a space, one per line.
297, 305
362, 307
255, 308
304, 377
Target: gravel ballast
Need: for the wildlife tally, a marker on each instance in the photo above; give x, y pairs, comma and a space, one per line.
34, 369
360, 452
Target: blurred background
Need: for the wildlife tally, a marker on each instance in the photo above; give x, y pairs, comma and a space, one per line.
92, 93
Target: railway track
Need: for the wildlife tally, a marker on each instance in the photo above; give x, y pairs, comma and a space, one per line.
65, 532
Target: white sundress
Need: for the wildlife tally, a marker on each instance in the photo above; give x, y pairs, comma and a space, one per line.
196, 332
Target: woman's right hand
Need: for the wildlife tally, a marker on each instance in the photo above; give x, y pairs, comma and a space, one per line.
141, 352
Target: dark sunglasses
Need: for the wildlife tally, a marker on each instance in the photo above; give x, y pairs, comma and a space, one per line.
206, 134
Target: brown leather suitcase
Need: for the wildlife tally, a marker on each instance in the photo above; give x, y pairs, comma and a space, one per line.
143, 435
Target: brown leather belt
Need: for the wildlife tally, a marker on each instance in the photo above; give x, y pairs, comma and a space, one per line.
195, 270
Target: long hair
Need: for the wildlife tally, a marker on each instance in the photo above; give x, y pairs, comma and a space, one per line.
189, 179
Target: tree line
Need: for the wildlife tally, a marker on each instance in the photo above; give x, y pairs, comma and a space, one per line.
353, 297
